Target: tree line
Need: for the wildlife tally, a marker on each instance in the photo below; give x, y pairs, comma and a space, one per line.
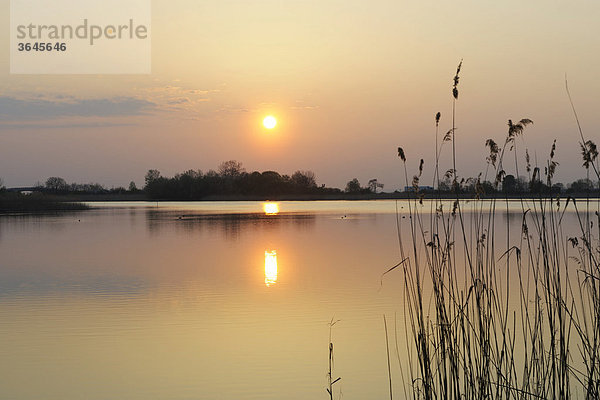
230, 180
517, 185
58, 185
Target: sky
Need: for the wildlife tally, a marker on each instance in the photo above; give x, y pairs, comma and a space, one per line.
348, 81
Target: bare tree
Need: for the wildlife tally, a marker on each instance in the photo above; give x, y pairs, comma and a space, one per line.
151, 175
305, 179
57, 184
231, 169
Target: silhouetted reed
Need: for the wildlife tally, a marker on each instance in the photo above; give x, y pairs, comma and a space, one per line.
330, 380
501, 312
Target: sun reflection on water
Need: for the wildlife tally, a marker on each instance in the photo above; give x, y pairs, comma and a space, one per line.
271, 208
270, 267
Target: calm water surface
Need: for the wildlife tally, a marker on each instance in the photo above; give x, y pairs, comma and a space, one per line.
195, 301
198, 301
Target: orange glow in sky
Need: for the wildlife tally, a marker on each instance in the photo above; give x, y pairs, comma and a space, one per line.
283, 95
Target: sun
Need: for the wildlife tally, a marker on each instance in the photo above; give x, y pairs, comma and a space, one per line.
269, 122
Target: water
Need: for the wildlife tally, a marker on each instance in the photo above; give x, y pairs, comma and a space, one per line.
202, 300
196, 301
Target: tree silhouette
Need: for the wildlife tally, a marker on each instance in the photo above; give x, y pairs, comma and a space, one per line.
231, 169
374, 185
151, 175
56, 184
509, 184
581, 185
353, 186
232, 182
304, 179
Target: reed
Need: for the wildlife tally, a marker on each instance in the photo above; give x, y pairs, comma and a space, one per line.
330, 380
493, 311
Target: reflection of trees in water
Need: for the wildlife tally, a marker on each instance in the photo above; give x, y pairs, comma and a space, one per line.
512, 216
230, 226
133, 216
302, 222
55, 221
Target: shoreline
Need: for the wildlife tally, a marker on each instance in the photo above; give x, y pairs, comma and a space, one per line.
35, 204
333, 197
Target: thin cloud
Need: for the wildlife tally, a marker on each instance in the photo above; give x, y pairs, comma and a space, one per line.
172, 98
62, 125
304, 107
32, 109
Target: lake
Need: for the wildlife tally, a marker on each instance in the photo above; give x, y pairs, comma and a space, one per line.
220, 300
